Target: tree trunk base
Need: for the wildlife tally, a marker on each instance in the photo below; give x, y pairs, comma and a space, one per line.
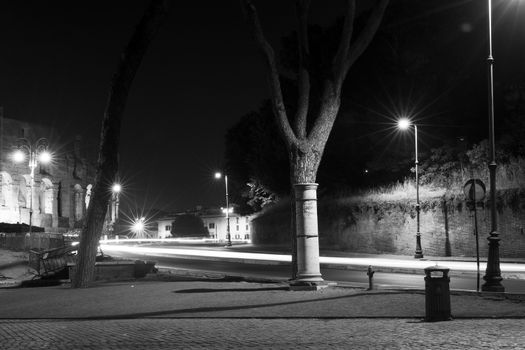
308, 268
310, 286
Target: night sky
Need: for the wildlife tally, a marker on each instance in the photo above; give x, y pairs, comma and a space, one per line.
200, 75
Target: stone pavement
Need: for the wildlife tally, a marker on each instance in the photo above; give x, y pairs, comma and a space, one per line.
180, 310
251, 333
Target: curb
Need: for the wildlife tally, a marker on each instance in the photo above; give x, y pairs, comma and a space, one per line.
356, 285
384, 269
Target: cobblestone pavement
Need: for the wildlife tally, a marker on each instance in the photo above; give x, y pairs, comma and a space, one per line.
231, 333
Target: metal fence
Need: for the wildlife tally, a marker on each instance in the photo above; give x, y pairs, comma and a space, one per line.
36, 241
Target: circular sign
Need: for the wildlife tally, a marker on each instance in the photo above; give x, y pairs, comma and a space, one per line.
474, 190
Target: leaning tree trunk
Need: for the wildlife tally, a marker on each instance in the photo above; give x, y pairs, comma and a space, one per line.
107, 164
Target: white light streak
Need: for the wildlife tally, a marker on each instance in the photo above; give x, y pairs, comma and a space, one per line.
416, 265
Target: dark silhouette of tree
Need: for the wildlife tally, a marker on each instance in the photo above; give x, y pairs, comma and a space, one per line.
188, 225
512, 138
107, 164
439, 85
255, 157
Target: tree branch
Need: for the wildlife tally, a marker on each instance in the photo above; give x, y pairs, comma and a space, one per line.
273, 73
330, 102
344, 44
366, 35
303, 98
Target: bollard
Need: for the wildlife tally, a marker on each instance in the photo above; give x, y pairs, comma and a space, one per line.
370, 274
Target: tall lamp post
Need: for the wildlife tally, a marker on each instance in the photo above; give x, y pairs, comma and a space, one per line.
35, 153
218, 175
114, 206
493, 273
404, 124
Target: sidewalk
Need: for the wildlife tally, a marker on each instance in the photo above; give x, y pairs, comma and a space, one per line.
154, 296
181, 309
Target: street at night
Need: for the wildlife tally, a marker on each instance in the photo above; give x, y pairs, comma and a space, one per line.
306, 174
242, 261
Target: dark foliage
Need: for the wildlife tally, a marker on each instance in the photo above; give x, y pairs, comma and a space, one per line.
427, 62
188, 226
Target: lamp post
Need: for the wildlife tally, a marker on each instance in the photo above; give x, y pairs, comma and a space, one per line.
218, 175
493, 273
35, 153
404, 124
114, 206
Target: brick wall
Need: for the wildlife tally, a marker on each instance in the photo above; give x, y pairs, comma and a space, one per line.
447, 226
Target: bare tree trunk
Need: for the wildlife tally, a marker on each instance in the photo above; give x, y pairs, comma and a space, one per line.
306, 144
107, 165
306, 236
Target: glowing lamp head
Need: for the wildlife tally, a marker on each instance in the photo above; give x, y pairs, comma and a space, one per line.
403, 124
19, 156
116, 188
138, 225
218, 175
44, 157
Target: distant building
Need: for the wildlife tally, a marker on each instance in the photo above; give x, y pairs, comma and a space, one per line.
214, 222
61, 189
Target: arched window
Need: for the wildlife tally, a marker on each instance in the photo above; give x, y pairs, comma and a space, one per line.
88, 194
6, 190
24, 191
79, 202
46, 196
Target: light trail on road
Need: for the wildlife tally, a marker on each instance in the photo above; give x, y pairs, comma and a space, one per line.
376, 262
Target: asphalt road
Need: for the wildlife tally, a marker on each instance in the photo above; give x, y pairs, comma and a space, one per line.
283, 271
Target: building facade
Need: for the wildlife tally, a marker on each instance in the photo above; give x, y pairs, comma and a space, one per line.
215, 224
59, 192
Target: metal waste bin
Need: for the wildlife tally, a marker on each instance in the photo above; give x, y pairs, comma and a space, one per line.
437, 294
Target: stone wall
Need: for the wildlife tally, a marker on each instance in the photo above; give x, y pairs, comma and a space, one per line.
37, 241
447, 226
61, 189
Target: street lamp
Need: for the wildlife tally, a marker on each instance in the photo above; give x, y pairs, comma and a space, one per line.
404, 124
138, 227
218, 175
493, 272
35, 153
114, 206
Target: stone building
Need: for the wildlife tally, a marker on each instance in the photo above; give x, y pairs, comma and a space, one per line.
214, 222
61, 188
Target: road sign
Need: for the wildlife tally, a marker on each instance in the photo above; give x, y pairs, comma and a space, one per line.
474, 190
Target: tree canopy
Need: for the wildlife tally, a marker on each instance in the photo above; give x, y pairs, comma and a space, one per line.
427, 61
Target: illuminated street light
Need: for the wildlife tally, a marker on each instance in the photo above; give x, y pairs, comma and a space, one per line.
113, 207
404, 124
116, 188
36, 153
493, 272
218, 175
230, 210
138, 227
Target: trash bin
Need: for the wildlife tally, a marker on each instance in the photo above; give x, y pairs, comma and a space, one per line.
437, 294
